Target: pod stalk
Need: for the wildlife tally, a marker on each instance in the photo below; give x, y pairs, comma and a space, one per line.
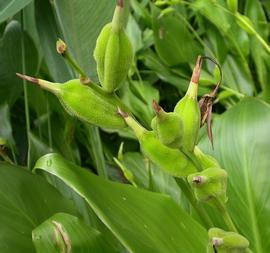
46, 85
132, 123
62, 49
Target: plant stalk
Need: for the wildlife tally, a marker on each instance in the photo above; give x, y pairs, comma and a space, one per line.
25, 91
182, 183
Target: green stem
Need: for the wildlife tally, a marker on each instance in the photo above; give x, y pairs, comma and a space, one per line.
5, 157
263, 42
226, 216
74, 64
190, 196
236, 93
257, 35
49, 125
196, 35
13, 154
25, 90
148, 168
193, 159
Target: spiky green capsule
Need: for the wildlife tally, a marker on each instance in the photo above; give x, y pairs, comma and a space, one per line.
88, 103
172, 161
221, 241
113, 52
210, 186
188, 109
168, 127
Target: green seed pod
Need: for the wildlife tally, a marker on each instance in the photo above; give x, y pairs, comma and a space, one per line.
168, 127
113, 52
210, 186
188, 109
172, 161
86, 102
221, 241
206, 161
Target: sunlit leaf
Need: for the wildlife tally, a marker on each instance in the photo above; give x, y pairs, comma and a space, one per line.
241, 146
143, 221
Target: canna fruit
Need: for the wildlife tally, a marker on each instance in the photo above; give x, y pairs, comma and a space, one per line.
221, 241
205, 160
168, 127
210, 186
188, 109
113, 52
172, 161
88, 103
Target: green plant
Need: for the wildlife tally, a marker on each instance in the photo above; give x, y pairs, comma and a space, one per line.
180, 187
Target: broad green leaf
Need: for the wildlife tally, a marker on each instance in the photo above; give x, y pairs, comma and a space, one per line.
81, 22
11, 61
173, 41
65, 233
158, 181
26, 200
143, 221
10, 7
242, 144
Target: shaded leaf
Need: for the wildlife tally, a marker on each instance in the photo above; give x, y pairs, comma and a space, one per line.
26, 200
11, 61
173, 41
10, 7
66, 233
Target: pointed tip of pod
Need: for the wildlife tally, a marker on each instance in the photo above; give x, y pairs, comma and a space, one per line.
28, 78
120, 3
197, 70
156, 107
52, 87
122, 113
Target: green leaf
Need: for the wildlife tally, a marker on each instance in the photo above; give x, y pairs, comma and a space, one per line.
241, 137
26, 200
236, 76
160, 181
63, 232
173, 41
81, 22
138, 96
143, 221
10, 7
11, 59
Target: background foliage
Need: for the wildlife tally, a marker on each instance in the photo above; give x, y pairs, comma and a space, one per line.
113, 217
